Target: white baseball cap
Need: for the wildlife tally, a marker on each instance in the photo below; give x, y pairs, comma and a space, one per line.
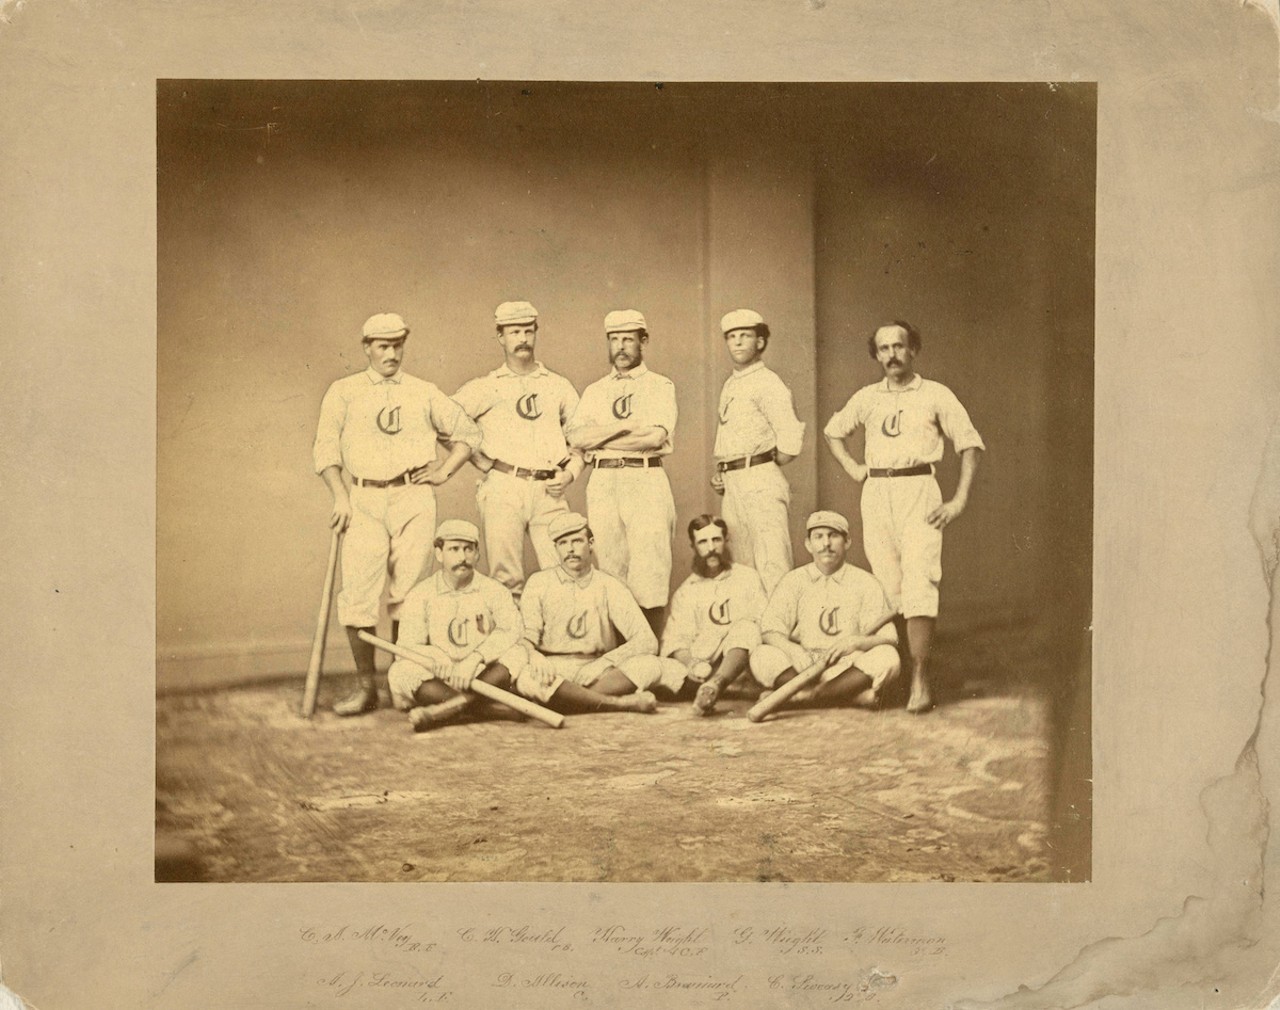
384, 326
510, 313
458, 529
624, 321
565, 524
827, 520
740, 319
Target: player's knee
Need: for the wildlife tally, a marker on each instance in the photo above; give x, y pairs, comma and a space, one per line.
404, 678
766, 663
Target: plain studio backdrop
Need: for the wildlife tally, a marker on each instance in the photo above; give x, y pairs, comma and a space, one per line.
289, 211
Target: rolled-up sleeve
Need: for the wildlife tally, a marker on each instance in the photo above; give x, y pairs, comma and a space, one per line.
449, 419
845, 420
327, 450
955, 423
778, 407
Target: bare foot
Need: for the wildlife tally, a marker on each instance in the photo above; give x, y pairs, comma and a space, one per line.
706, 698
921, 700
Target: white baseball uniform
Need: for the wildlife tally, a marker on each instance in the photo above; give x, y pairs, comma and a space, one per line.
814, 611
447, 625
522, 419
905, 428
378, 429
756, 416
572, 628
711, 616
629, 502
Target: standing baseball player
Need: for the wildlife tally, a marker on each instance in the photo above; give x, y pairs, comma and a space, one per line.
466, 623
521, 408
714, 622
827, 612
375, 449
758, 433
573, 614
903, 515
624, 424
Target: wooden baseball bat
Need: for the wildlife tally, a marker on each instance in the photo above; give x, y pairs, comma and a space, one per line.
800, 681
523, 705
312, 687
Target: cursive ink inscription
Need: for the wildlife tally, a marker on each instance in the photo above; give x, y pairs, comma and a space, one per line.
784, 939
825, 989
669, 941
896, 939
550, 939
722, 989
550, 980
399, 937
420, 988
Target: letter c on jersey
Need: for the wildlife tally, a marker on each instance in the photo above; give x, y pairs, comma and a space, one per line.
622, 407
527, 407
577, 626
828, 623
719, 613
458, 629
389, 421
892, 426
724, 411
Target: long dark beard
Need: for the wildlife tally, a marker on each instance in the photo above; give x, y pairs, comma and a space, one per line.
700, 563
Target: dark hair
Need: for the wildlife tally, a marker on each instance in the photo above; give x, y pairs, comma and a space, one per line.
501, 326
590, 536
913, 335
703, 521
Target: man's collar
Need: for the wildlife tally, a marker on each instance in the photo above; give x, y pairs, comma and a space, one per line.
376, 377
442, 584
568, 579
755, 366
635, 373
912, 385
503, 371
815, 573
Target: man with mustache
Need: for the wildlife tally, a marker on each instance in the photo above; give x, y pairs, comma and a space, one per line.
758, 433
624, 425
375, 449
521, 408
573, 614
831, 613
466, 624
905, 417
715, 613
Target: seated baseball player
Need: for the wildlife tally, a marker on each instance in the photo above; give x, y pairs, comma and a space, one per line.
573, 614
828, 613
465, 624
715, 614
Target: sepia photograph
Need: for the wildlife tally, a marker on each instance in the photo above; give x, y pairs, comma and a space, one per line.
624, 482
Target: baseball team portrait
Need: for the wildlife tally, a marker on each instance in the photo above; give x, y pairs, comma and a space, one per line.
624, 482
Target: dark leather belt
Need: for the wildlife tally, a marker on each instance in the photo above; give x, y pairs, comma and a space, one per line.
620, 461
745, 461
906, 471
393, 482
520, 471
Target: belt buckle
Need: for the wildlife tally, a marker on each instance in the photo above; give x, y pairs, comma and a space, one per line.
889, 471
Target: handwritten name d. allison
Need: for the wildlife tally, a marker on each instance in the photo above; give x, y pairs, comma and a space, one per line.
547, 980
